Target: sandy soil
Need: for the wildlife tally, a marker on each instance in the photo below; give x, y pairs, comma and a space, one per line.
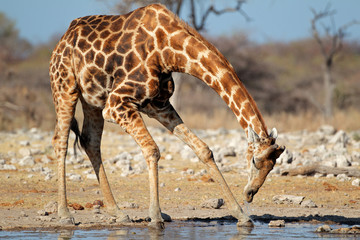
23, 196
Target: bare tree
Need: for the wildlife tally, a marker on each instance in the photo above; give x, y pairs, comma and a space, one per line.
330, 44
196, 18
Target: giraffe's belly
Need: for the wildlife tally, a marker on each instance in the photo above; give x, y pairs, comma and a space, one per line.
96, 100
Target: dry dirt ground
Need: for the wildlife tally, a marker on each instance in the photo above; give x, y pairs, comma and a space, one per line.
23, 194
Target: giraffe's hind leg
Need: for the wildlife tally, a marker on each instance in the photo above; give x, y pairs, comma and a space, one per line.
91, 141
65, 103
167, 116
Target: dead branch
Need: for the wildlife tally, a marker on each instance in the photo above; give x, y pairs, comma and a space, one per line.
317, 168
211, 9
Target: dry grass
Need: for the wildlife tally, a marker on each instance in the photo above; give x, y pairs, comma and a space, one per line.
285, 122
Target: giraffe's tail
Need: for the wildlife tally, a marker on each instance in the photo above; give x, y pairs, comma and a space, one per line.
75, 128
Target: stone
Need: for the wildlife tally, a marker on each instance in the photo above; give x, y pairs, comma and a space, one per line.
327, 130
187, 153
75, 177
129, 205
356, 182
324, 228
42, 212
23, 214
77, 206
342, 177
98, 203
227, 152
342, 161
96, 211
285, 158
276, 223
51, 207
288, 199
353, 230
340, 138
27, 161
308, 204
45, 159
91, 176
215, 203
168, 157
9, 167
24, 143
177, 189
25, 152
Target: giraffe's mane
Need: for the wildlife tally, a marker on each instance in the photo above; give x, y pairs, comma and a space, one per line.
212, 48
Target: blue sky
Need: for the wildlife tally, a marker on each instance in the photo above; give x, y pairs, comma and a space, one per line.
272, 20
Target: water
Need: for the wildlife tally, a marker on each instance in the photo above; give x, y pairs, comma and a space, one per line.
184, 230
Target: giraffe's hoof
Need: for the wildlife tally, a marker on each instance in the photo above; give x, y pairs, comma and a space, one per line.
166, 217
245, 223
156, 225
67, 221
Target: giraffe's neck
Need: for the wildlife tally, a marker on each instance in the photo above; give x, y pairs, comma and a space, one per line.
210, 66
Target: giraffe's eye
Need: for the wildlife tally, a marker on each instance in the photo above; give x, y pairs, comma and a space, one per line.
254, 162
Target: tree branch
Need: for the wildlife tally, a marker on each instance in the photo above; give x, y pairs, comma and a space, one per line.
212, 9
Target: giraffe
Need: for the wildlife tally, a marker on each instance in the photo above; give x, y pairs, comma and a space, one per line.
119, 67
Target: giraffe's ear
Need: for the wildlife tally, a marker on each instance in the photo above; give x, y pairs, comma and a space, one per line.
252, 135
273, 133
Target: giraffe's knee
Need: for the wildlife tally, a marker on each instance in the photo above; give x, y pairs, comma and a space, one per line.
206, 155
152, 154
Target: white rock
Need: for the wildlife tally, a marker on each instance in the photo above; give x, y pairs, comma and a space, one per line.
91, 176
187, 153
288, 199
27, 161
340, 137
139, 157
45, 159
308, 204
215, 203
24, 143
356, 182
327, 129
75, 177
285, 158
51, 207
343, 177
343, 161
25, 152
277, 223
168, 157
8, 167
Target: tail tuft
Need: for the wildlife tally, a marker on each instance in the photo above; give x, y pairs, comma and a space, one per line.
75, 128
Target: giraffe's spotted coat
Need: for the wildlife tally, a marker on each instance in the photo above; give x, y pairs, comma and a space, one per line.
119, 66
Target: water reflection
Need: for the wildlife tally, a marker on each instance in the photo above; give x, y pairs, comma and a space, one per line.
177, 230
181, 230
66, 234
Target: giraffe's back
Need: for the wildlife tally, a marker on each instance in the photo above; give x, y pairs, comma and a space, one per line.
126, 55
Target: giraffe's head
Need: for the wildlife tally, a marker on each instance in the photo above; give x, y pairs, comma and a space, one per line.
261, 156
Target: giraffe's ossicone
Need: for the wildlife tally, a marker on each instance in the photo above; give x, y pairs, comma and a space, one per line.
119, 67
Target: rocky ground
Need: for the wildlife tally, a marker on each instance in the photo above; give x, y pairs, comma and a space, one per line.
316, 179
